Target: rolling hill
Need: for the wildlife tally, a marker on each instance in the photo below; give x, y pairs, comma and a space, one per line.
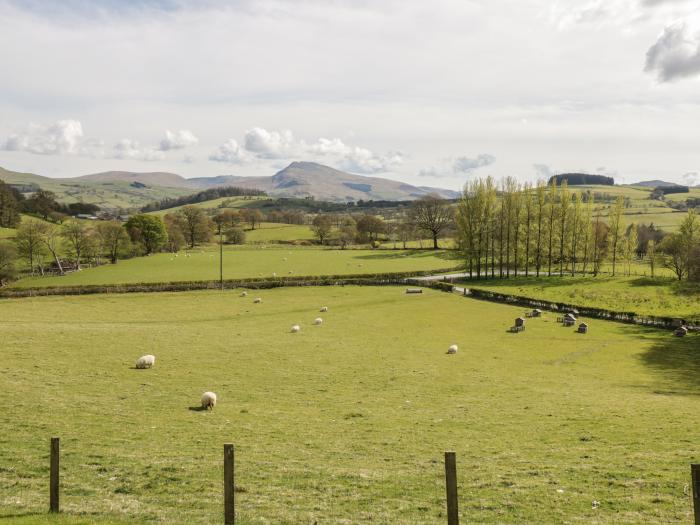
123, 189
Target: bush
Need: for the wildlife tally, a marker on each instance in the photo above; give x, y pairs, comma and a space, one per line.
235, 236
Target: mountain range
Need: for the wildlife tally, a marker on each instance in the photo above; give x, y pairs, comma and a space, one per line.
123, 189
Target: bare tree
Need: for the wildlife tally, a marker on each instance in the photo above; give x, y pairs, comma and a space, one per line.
77, 235
433, 215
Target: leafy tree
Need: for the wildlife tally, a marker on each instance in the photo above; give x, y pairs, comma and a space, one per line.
176, 239
195, 224
347, 232
235, 235
148, 231
50, 237
8, 256
651, 255
369, 227
9, 207
42, 203
322, 226
616, 229
432, 215
29, 244
113, 239
77, 235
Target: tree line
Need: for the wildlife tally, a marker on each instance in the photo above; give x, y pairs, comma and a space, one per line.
512, 228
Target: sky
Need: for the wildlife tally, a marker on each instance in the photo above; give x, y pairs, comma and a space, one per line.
430, 93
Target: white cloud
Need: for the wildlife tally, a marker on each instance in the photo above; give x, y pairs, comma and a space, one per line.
271, 144
468, 165
132, 149
180, 139
61, 137
692, 178
675, 55
361, 160
230, 152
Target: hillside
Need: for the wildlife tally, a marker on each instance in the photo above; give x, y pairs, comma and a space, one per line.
112, 190
123, 189
656, 184
309, 179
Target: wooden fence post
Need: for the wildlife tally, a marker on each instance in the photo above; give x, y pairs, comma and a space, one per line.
229, 497
451, 488
53, 489
695, 490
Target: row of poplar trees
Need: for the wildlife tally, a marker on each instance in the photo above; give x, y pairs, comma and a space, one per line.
515, 228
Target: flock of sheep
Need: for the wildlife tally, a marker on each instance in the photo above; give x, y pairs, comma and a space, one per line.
208, 400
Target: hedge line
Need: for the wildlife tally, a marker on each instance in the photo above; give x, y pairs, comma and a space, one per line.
588, 311
253, 283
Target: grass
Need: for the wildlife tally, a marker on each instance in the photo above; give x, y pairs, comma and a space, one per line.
271, 231
346, 422
642, 295
216, 204
242, 262
7, 233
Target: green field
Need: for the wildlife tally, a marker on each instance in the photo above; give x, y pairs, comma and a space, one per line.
345, 422
248, 262
216, 204
6, 233
645, 296
272, 231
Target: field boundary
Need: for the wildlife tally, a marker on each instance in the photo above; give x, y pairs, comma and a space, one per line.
588, 311
378, 279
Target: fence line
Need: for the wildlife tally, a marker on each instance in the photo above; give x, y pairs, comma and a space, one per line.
451, 489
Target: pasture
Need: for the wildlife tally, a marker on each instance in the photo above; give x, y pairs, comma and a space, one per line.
642, 295
345, 422
248, 262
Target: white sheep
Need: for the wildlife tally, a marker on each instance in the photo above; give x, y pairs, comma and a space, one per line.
244, 294
452, 349
323, 309
318, 320
257, 300
146, 361
274, 274
295, 328
208, 400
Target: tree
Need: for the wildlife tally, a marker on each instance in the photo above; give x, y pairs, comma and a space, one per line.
674, 251
113, 239
369, 226
176, 239
347, 232
651, 255
541, 193
630, 246
529, 210
235, 235
564, 202
29, 244
8, 256
433, 215
252, 217
9, 207
321, 226
195, 224
551, 222
50, 237
148, 231
42, 203
616, 228
77, 235
576, 219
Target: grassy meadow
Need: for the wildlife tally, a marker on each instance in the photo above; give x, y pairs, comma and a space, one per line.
276, 232
345, 422
642, 295
248, 262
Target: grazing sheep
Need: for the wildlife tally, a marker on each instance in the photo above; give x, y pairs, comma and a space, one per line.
284, 258
244, 294
452, 349
295, 328
274, 274
146, 361
257, 300
318, 320
324, 309
208, 400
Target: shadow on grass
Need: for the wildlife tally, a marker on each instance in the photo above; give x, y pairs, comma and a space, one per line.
676, 360
198, 408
